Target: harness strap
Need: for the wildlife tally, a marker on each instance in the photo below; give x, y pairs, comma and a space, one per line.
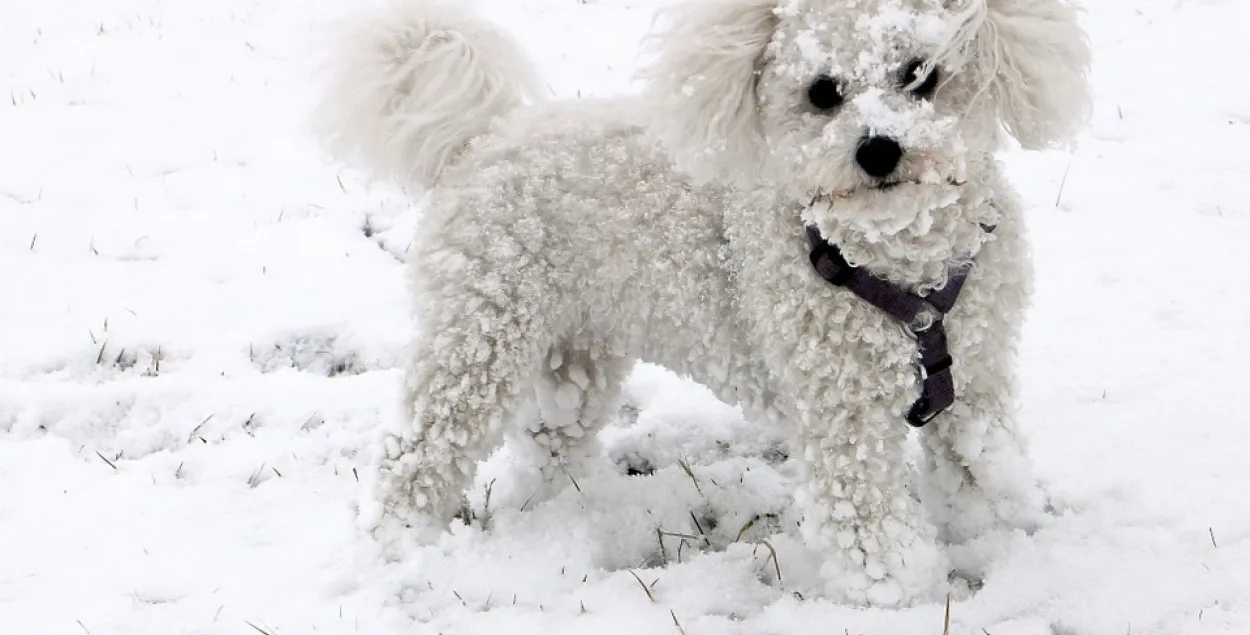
921, 315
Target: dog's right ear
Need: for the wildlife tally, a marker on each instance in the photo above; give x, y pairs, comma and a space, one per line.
702, 84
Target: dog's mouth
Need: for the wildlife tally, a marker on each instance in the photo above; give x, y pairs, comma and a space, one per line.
881, 186
887, 185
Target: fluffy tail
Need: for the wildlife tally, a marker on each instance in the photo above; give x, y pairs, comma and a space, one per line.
409, 84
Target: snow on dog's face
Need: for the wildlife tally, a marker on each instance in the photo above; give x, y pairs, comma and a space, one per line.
870, 109
859, 116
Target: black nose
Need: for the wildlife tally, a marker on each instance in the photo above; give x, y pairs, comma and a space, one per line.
878, 156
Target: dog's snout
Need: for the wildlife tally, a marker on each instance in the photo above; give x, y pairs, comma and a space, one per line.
878, 156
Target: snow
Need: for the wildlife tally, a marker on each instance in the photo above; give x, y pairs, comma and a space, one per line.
204, 320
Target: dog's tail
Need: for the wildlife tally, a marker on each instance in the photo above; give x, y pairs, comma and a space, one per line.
409, 84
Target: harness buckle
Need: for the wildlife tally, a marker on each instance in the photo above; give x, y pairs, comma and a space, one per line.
926, 318
921, 412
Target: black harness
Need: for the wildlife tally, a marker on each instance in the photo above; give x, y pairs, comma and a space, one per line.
922, 316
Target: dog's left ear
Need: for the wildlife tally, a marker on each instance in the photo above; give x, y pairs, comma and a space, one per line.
1033, 57
701, 85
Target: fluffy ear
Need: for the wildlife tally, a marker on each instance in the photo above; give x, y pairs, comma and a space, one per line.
702, 83
1033, 58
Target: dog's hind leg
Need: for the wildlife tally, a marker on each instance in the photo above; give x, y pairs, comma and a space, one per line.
464, 382
576, 394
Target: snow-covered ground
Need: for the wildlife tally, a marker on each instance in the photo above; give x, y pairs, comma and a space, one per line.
201, 322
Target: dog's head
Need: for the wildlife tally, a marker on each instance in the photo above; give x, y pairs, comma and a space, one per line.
871, 108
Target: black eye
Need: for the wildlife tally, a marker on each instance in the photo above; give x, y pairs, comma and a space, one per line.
824, 93
911, 73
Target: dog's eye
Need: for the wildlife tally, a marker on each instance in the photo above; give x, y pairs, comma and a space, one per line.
911, 73
824, 93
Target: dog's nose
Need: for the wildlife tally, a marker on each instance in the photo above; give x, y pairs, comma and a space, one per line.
878, 156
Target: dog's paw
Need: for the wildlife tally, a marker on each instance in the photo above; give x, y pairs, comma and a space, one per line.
889, 568
527, 473
974, 512
398, 537
518, 488
858, 589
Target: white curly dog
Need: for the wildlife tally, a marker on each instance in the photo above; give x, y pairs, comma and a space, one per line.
784, 216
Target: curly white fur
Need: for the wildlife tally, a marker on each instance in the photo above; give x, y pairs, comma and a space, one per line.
563, 243
704, 55
1032, 57
413, 83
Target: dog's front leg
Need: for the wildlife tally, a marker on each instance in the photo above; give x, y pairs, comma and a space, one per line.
856, 506
978, 475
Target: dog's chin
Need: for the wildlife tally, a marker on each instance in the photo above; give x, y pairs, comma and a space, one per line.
883, 209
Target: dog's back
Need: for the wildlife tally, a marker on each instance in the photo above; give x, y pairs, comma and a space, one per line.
576, 208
